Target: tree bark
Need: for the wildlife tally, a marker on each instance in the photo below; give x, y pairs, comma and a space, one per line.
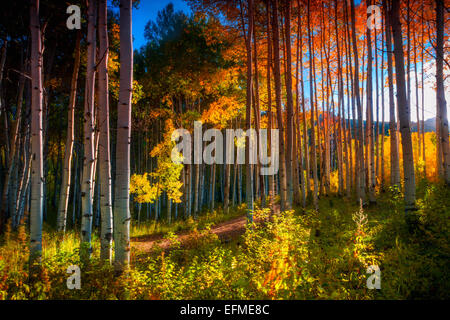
277, 78
404, 111
248, 121
13, 144
121, 209
441, 104
395, 166
369, 119
89, 152
106, 229
68, 153
289, 107
311, 101
361, 183
37, 168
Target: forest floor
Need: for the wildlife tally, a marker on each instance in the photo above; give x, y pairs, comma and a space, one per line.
296, 254
225, 231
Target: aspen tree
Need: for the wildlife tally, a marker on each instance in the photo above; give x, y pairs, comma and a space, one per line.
68, 152
89, 151
277, 79
106, 230
122, 215
403, 106
37, 173
441, 104
395, 166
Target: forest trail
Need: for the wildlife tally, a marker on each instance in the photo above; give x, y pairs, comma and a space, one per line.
226, 231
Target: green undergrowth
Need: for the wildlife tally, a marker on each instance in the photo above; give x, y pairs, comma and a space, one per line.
299, 254
146, 228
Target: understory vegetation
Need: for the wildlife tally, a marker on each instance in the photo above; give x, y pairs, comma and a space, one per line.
298, 254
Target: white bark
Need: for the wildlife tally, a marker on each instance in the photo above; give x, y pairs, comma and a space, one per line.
104, 147
88, 165
403, 108
121, 209
37, 169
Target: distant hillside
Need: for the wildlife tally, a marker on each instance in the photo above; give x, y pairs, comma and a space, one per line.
430, 125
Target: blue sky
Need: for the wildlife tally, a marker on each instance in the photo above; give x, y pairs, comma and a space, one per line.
148, 10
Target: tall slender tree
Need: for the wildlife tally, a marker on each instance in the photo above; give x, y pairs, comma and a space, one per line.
68, 152
312, 104
248, 115
106, 230
441, 104
289, 106
361, 176
37, 162
403, 108
395, 165
278, 98
89, 147
122, 215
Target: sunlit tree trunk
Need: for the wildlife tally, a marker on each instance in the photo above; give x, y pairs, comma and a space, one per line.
89, 152
382, 112
361, 176
404, 112
369, 118
106, 230
350, 88
315, 110
122, 215
416, 79
377, 119
341, 139
298, 156
326, 165
37, 173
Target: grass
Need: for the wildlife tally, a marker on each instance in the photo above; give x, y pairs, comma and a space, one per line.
302, 254
204, 219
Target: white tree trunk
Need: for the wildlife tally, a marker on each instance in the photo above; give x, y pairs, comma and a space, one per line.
37, 171
121, 209
403, 108
104, 146
88, 165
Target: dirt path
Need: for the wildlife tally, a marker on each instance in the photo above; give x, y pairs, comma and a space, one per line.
226, 231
